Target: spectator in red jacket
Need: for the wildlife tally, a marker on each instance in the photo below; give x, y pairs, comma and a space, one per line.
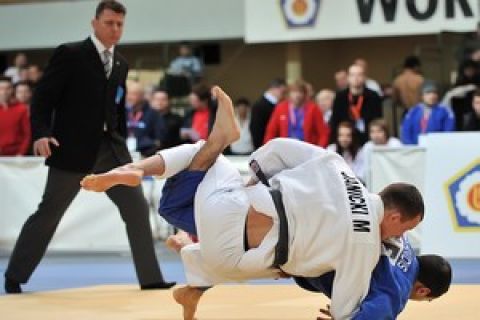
298, 118
14, 122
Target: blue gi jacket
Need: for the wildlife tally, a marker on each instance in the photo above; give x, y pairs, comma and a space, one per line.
390, 286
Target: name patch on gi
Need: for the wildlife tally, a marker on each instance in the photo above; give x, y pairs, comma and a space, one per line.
361, 222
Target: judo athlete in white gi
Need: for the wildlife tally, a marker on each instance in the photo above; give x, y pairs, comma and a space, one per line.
314, 218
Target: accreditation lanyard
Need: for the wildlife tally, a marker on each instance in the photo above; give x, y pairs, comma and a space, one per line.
424, 122
294, 122
355, 108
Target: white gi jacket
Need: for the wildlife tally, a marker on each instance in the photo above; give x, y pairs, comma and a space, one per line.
333, 222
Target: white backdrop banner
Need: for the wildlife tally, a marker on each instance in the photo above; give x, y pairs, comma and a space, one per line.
91, 223
294, 20
452, 189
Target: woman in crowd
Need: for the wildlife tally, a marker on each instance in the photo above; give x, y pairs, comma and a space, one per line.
348, 146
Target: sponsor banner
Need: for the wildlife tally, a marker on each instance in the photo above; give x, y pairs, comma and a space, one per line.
294, 20
452, 195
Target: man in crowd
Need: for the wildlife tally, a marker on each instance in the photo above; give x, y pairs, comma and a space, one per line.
341, 80
298, 118
14, 123
34, 74
186, 64
407, 86
356, 104
13, 72
78, 122
369, 83
427, 116
145, 127
472, 118
324, 100
263, 108
160, 103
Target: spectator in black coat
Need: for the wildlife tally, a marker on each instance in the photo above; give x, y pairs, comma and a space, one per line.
173, 122
356, 104
262, 109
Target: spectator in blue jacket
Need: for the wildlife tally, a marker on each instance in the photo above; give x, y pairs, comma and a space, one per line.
398, 276
146, 128
427, 116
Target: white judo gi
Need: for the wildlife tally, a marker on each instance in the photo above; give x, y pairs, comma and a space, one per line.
333, 222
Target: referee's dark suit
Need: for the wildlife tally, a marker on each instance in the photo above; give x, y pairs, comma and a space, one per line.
83, 107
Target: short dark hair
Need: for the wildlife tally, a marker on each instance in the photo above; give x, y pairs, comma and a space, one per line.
476, 93
435, 273
405, 198
380, 122
157, 90
242, 101
277, 82
412, 62
202, 91
113, 5
5, 79
23, 83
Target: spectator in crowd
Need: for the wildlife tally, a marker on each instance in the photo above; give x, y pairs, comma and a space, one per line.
347, 145
324, 100
244, 145
407, 86
341, 79
356, 103
14, 122
22, 74
13, 72
459, 98
427, 116
145, 127
472, 119
369, 83
298, 118
199, 121
160, 103
263, 108
469, 45
379, 134
23, 93
34, 74
186, 64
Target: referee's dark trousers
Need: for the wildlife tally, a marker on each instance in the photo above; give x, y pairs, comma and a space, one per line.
60, 190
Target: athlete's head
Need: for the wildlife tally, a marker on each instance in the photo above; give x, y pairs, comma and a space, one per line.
403, 209
433, 279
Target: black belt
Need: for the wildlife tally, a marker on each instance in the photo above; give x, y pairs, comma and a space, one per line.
281, 249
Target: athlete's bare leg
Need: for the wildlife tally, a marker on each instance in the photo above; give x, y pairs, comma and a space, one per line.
225, 131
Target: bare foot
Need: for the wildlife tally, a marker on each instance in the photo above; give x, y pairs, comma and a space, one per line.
188, 297
126, 175
225, 128
178, 241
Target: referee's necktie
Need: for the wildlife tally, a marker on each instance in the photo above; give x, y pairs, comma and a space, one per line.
107, 65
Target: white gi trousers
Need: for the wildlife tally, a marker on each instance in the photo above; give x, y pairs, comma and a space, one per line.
221, 206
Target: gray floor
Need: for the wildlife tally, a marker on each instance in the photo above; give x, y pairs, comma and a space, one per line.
75, 270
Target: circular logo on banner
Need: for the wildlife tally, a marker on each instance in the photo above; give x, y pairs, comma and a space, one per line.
467, 197
300, 13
